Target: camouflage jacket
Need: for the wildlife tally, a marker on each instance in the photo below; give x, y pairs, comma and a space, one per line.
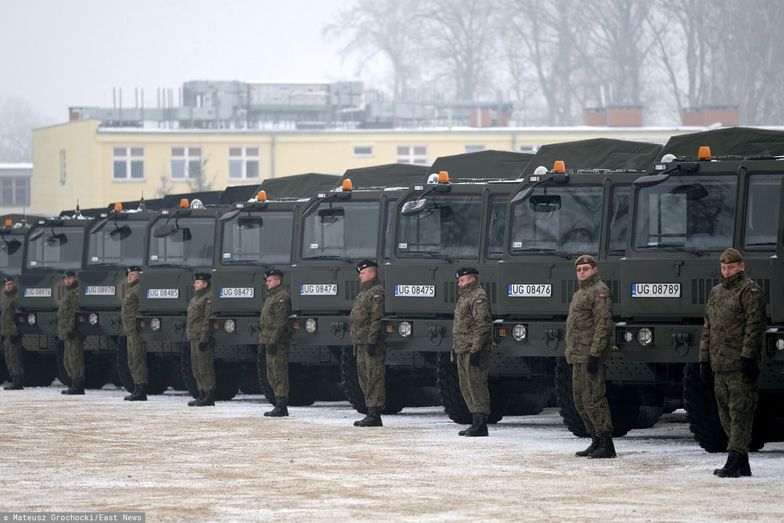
590, 322
66, 313
199, 311
274, 317
472, 330
9, 303
365, 318
735, 321
130, 307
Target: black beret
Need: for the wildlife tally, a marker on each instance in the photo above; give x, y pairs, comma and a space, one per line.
464, 271
273, 272
364, 264
206, 276
133, 268
68, 273
585, 259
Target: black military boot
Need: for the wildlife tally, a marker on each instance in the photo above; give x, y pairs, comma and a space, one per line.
743, 466
129, 396
732, 468
198, 398
16, 383
591, 448
281, 408
363, 421
479, 429
606, 449
472, 426
139, 393
716, 471
373, 418
208, 400
77, 388
69, 388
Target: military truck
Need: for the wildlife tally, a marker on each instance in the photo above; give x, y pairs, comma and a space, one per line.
692, 204
580, 206
333, 231
253, 237
457, 219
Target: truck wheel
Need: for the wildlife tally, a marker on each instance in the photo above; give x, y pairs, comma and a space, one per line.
624, 409
226, 380
185, 369
448, 385
350, 380
40, 369
121, 362
701, 411
651, 409
261, 371
565, 399
62, 375
249, 379
97, 369
159, 369
303, 386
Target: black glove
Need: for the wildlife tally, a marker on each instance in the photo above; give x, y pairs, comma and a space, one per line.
372, 349
593, 364
204, 346
271, 349
473, 359
750, 370
706, 373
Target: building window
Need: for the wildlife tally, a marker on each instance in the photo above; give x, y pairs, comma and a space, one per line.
185, 163
412, 154
243, 163
15, 192
363, 151
63, 167
526, 148
128, 163
474, 148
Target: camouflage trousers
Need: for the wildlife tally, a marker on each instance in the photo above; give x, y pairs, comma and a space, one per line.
590, 398
73, 358
203, 366
473, 382
137, 359
14, 355
737, 401
371, 371
278, 369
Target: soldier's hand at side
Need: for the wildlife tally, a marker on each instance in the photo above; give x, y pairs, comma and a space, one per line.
750, 370
372, 349
473, 359
271, 349
593, 364
204, 346
706, 373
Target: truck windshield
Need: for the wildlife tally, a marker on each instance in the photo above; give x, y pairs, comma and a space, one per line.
11, 253
346, 230
558, 219
448, 226
263, 238
57, 248
688, 212
117, 244
190, 244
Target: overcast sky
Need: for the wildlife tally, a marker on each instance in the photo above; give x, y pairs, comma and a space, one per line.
61, 53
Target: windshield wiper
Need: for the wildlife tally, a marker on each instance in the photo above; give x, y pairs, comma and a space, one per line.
760, 244
546, 251
246, 262
169, 266
326, 257
428, 254
674, 246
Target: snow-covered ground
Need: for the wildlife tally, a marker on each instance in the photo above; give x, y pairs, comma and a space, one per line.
229, 463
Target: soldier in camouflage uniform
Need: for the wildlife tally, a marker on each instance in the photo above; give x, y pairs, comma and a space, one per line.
588, 343
731, 355
12, 340
370, 349
472, 335
200, 338
67, 332
275, 339
137, 350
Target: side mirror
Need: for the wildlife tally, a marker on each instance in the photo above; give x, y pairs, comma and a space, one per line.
413, 207
181, 235
229, 215
250, 222
10, 246
522, 195
120, 233
545, 202
330, 215
56, 240
695, 191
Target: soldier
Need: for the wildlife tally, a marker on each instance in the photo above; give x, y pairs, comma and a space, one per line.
275, 339
588, 329
12, 340
731, 354
137, 350
66, 331
369, 348
202, 343
472, 342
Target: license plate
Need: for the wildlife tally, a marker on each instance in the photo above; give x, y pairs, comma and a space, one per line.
415, 291
529, 290
318, 289
99, 290
155, 294
237, 292
656, 290
38, 292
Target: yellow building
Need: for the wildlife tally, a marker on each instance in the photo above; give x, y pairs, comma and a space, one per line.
98, 165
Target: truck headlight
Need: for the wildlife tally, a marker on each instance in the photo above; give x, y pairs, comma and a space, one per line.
404, 329
155, 324
645, 336
92, 319
519, 332
229, 326
780, 344
310, 325
31, 319
628, 336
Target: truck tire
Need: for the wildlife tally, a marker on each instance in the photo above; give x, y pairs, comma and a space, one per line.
185, 369
40, 369
394, 390
261, 372
303, 389
448, 385
226, 380
121, 361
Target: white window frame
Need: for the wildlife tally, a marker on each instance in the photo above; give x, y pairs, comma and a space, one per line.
410, 154
15, 182
185, 156
129, 155
246, 156
368, 154
474, 148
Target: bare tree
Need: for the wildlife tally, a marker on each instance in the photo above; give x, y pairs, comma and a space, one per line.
386, 28
17, 121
